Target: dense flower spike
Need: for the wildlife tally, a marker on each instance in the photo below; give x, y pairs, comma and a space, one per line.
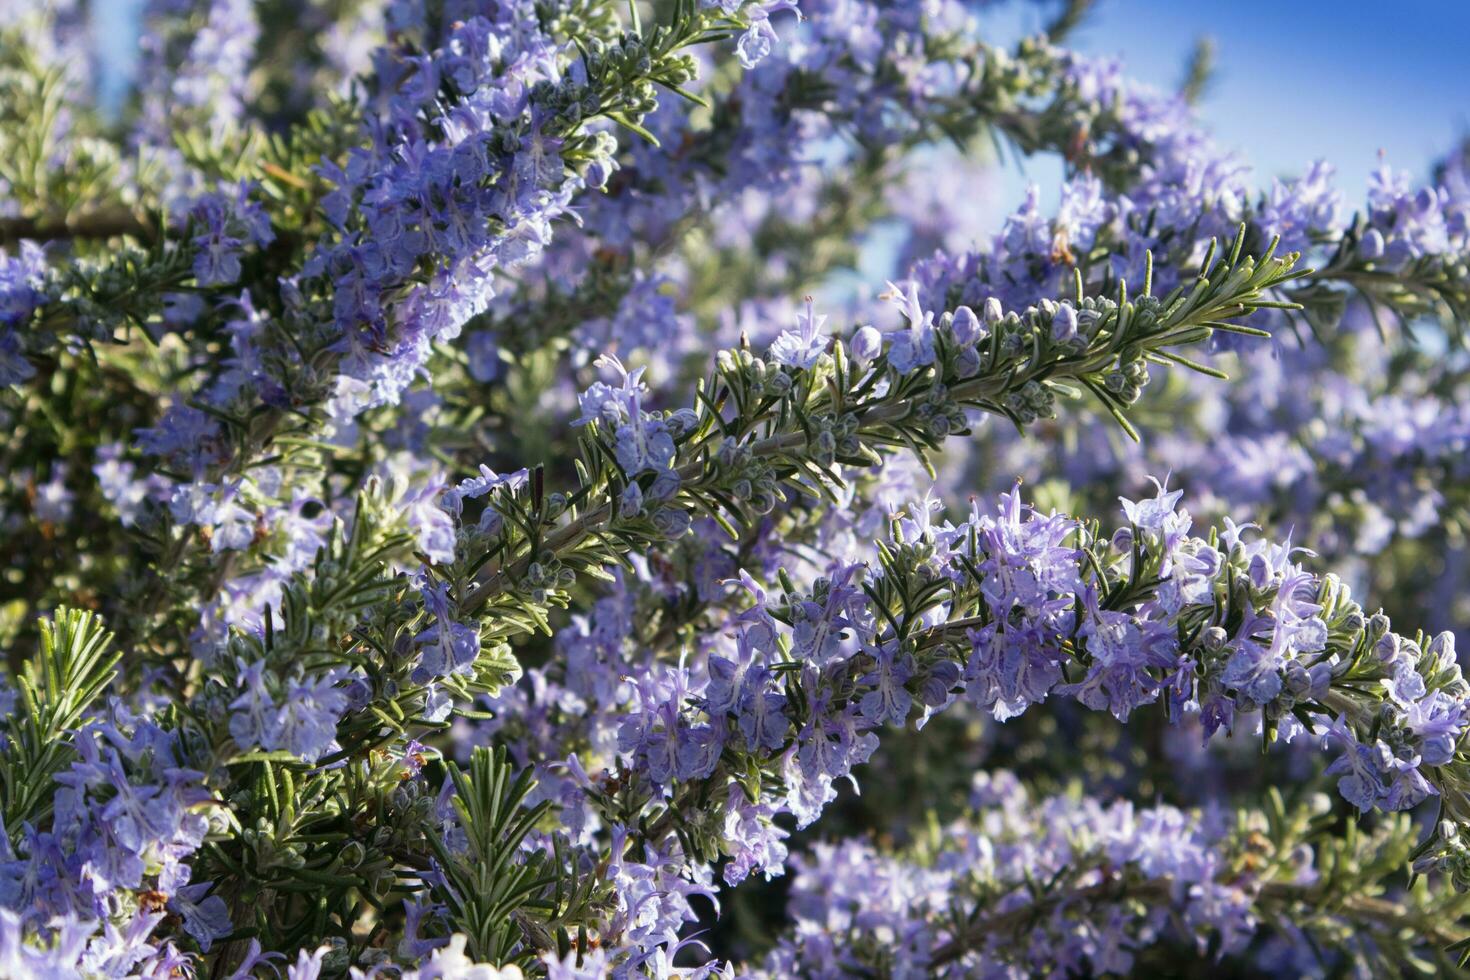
1120, 884
1225, 629
197, 60
522, 539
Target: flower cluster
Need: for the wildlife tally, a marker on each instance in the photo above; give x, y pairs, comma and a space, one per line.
1071, 884
520, 540
795, 699
22, 277
197, 59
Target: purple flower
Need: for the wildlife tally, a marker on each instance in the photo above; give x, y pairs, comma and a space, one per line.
727, 677
1359, 769
303, 722
755, 44
654, 731
911, 348
1064, 323
22, 278
1300, 210
1438, 721
1123, 649
829, 745
644, 443
754, 840
446, 647
698, 750
306, 724
205, 918
820, 628
226, 221
433, 527
1009, 671
888, 702
308, 966
1407, 787
1025, 562
539, 162
478, 486
762, 711
803, 348
1254, 669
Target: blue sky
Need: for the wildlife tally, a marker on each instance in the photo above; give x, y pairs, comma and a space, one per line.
1296, 81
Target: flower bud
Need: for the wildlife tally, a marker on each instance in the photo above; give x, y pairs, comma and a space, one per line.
683, 421
1296, 678
867, 343
665, 485
967, 363
1064, 324
966, 326
632, 502
1387, 648
1372, 245
1441, 650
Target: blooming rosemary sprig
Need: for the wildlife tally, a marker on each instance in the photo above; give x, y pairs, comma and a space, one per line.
351, 323
1003, 612
758, 423
1070, 881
